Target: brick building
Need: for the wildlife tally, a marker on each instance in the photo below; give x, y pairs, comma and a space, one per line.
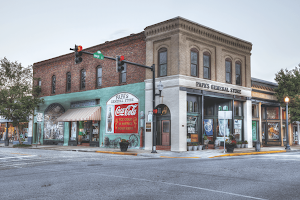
203, 71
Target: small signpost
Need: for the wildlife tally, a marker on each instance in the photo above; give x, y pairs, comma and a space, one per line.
224, 115
98, 55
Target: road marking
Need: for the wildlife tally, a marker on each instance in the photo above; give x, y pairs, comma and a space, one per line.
187, 186
177, 157
20, 154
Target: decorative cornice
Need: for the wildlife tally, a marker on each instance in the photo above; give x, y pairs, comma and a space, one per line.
197, 29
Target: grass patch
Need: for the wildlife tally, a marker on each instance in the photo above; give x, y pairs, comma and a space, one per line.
22, 145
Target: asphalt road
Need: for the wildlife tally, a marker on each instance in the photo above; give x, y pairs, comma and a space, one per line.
48, 174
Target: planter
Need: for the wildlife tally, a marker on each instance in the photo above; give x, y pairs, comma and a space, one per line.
230, 148
200, 147
238, 145
246, 145
123, 146
243, 145
195, 148
189, 148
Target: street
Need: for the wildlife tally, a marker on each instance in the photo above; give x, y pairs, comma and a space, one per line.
48, 174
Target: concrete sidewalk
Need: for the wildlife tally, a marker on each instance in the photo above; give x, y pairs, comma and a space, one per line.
208, 153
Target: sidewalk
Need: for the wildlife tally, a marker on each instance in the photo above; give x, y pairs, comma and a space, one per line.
208, 153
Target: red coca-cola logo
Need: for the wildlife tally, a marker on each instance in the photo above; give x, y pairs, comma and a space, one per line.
128, 111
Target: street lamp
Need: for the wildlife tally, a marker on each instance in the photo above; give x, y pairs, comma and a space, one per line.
287, 99
160, 87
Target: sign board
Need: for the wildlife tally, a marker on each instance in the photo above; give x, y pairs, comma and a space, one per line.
39, 117
194, 137
224, 114
122, 114
98, 55
148, 126
150, 115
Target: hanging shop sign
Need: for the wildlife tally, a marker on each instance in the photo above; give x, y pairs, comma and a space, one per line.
220, 88
122, 114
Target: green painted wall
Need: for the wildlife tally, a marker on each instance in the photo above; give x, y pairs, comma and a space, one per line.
137, 89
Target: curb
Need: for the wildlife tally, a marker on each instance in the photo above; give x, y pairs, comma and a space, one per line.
252, 153
120, 153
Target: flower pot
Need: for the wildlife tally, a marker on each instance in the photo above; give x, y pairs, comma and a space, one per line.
230, 148
195, 148
243, 145
246, 145
123, 146
238, 145
189, 148
200, 147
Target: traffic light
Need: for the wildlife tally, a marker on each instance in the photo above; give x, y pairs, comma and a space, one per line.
78, 53
120, 63
157, 111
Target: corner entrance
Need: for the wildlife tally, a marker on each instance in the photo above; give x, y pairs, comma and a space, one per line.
163, 128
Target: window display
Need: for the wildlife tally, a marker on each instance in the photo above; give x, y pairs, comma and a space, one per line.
238, 129
73, 131
273, 131
95, 131
273, 112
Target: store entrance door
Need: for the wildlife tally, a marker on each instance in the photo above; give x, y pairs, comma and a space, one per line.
295, 135
165, 131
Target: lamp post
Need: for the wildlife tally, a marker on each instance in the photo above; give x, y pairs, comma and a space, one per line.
160, 87
287, 99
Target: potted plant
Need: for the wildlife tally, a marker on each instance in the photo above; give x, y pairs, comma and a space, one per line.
195, 146
200, 146
230, 144
205, 141
124, 145
189, 147
246, 144
239, 144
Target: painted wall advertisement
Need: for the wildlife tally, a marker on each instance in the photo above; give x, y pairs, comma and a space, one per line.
122, 114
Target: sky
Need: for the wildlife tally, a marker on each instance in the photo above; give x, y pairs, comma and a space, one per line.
33, 30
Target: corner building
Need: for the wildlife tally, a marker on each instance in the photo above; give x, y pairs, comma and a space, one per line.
202, 71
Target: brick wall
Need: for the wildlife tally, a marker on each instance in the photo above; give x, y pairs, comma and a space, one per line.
132, 47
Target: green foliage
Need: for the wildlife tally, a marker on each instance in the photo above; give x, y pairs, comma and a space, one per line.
18, 98
289, 85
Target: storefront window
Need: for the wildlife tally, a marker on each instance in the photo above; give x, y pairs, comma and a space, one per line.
284, 131
254, 111
2, 131
273, 112
95, 131
23, 132
263, 112
52, 129
283, 114
273, 130
223, 126
238, 108
263, 130
238, 129
73, 131
84, 130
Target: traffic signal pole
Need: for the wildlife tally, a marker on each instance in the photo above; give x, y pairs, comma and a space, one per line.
153, 94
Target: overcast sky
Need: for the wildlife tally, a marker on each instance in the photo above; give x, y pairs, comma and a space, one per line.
36, 30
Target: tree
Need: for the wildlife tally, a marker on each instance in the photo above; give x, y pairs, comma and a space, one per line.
18, 96
289, 85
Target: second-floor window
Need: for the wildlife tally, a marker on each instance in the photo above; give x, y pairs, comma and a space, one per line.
99, 76
68, 81
206, 65
53, 84
194, 62
82, 79
238, 73
162, 62
123, 74
228, 70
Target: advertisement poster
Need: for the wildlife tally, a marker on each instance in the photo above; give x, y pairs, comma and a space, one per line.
122, 114
223, 124
192, 124
254, 130
273, 131
194, 137
208, 127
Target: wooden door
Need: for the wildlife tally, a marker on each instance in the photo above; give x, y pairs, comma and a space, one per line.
165, 132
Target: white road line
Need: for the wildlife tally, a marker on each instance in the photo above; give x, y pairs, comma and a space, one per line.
188, 186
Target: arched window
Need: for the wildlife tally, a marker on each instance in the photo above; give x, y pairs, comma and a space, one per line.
162, 62
206, 65
53, 84
99, 76
68, 81
82, 79
194, 62
238, 80
228, 70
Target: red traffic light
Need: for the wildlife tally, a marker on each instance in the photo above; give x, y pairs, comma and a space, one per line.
154, 111
122, 58
79, 48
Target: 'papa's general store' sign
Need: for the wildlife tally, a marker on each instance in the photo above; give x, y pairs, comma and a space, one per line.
122, 114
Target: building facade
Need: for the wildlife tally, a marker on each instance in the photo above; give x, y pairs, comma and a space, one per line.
202, 71
91, 103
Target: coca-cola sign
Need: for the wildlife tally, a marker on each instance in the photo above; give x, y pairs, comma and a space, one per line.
126, 118
128, 111
122, 114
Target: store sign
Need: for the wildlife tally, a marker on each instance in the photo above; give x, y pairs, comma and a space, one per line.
216, 87
122, 114
194, 137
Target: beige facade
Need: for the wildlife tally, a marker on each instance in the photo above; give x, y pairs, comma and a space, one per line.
179, 36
